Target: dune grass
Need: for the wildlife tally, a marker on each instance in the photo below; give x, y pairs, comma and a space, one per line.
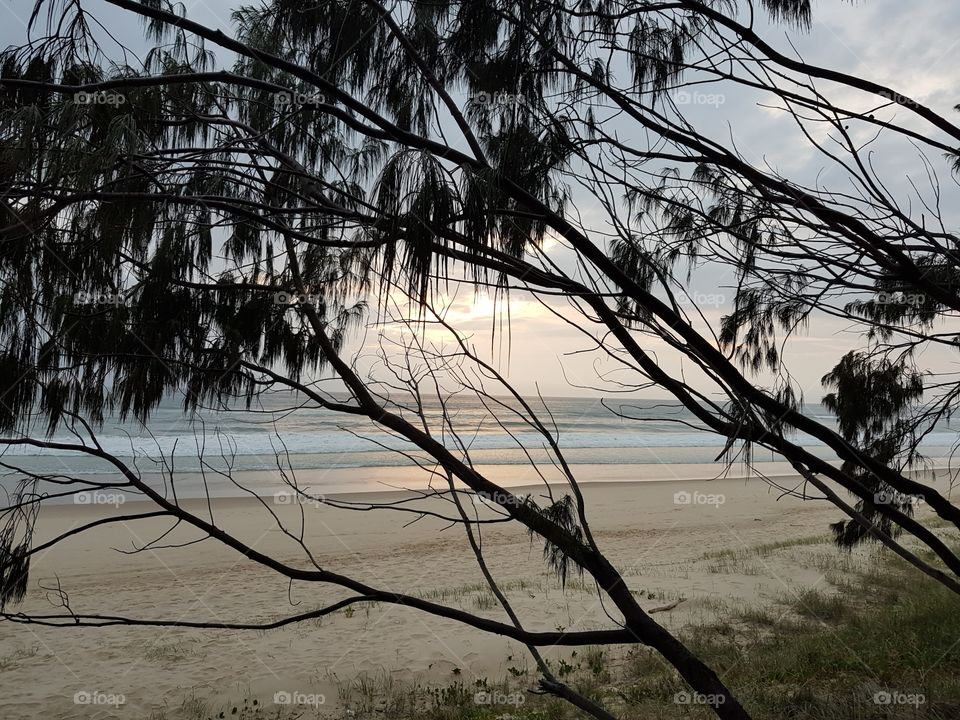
885, 644
872, 641
879, 643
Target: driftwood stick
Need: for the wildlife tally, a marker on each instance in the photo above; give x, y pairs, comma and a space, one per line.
666, 608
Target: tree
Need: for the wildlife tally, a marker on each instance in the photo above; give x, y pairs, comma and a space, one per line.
243, 223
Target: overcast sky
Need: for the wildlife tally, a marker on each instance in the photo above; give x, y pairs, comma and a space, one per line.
912, 46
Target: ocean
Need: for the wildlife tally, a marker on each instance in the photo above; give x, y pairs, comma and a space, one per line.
588, 430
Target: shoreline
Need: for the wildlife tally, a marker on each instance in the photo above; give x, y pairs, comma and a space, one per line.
358, 483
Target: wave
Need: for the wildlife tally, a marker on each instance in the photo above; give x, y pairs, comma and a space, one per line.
338, 442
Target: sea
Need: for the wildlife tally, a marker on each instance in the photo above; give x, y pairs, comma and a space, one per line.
279, 433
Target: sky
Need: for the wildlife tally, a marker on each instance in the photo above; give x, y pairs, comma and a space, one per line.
913, 46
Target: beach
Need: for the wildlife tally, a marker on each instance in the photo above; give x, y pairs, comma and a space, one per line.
665, 538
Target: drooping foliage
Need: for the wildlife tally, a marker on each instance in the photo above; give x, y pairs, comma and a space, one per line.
872, 399
170, 226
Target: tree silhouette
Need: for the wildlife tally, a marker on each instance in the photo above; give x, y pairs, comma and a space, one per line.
220, 220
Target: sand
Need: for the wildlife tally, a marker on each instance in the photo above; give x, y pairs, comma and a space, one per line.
662, 546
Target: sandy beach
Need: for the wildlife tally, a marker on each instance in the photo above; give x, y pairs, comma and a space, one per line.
663, 536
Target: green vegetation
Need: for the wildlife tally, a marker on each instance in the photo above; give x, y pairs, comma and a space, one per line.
872, 641
884, 644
